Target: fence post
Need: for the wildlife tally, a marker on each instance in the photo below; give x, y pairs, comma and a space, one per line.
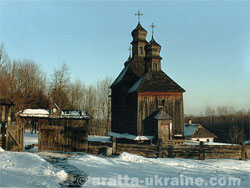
201, 151
160, 148
113, 145
243, 152
3, 131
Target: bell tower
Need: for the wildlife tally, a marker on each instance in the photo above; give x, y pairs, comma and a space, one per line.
139, 39
153, 58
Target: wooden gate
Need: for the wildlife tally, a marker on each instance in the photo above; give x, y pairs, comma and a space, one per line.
62, 138
14, 138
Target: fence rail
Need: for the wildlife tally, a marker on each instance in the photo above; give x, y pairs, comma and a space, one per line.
174, 151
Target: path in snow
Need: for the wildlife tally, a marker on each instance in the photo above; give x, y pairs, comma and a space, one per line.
75, 177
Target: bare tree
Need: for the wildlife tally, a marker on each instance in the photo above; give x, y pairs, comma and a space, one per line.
90, 100
59, 86
4, 58
103, 100
76, 95
236, 135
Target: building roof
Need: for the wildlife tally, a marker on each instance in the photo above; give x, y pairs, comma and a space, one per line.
44, 113
138, 28
197, 131
201, 132
161, 115
189, 129
155, 81
7, 102
153, 42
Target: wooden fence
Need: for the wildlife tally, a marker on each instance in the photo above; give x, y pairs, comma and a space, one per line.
174, 151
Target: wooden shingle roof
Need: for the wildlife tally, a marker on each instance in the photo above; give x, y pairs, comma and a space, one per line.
201, 132
155, 81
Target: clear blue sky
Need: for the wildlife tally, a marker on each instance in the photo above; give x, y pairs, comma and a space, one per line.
205, 44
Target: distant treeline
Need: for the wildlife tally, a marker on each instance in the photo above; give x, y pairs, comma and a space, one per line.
228, 125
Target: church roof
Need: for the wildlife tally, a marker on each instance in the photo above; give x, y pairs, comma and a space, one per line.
161, 115
138, 27
153, 42
133, 70
155, 81
121, 75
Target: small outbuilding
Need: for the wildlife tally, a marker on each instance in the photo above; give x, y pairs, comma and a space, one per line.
59, 130
197, 132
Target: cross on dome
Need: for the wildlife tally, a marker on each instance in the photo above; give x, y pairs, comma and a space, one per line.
138, 14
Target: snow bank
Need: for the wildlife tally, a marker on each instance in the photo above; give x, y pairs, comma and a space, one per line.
1, 149
22, 169
132, 158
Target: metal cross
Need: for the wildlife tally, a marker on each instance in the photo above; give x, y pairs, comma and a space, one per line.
138, 14
152, 26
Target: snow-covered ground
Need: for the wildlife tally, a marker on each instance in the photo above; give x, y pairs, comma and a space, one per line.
50, 169
30, 138
35, 170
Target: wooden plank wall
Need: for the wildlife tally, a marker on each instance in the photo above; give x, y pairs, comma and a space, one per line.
67, 136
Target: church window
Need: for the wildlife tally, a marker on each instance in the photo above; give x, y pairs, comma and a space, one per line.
154, 66
141, 50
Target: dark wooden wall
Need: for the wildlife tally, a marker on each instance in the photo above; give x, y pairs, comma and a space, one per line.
63, 135
147, 105
133, 113
124, 112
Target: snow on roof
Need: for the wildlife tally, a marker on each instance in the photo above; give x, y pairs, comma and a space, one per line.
103, 139
136, 85
189, 129
121, 75
34, 113
130, 136
247, 142
43, 113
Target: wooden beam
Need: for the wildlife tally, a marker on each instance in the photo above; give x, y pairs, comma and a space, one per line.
3, 107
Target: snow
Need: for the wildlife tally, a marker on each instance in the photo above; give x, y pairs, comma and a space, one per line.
99, 138
32, 170
34, 113
27, 170
130, 136
1, 149
135, 166
30, 138
193, 142
247, 142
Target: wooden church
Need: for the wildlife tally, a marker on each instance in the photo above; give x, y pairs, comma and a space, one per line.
144, 99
